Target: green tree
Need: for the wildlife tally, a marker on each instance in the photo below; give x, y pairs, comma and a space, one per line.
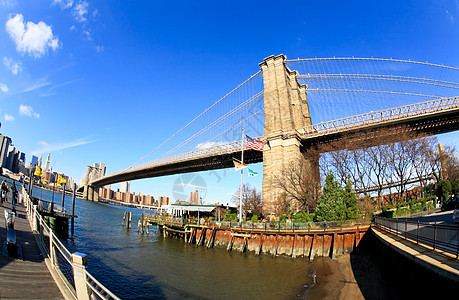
350, 200
331, 205
444, 190
455, 187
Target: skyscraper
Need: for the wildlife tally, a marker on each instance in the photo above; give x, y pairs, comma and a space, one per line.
34, 161
48, 161
40, 161
125, 186
194, 197
4, 147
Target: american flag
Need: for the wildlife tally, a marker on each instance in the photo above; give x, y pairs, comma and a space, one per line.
256, 145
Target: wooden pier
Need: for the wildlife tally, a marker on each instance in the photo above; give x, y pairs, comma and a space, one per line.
312, 242
27, 276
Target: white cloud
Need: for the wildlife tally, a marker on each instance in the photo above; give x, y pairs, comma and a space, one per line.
33, 39
47, 148
9, 117
9, 3
42, 82
80, 11
99, 49
449, 16
13, 66
64, 4
28, 111
87, 35
4, 88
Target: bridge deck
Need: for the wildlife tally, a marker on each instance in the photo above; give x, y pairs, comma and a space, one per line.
26, 277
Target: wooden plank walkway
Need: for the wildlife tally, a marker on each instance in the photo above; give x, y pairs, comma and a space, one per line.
26, 277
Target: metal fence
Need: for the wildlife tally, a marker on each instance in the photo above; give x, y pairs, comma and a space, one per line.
441, 237
70, 267
265, 226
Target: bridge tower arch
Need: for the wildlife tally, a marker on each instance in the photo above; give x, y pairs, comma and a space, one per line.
286, 110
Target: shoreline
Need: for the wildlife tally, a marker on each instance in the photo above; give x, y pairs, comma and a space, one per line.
334, 279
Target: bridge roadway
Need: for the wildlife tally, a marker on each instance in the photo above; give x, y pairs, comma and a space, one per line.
432, 117
26, 277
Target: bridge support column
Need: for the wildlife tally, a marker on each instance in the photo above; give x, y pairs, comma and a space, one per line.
91, 193
286, 110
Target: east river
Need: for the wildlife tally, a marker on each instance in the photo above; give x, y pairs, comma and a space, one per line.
136, 266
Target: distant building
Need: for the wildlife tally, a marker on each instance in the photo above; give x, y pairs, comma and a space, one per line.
40, 161
194, 197
34, 161
10, 158
163, 200
5, 143
48, 161
148, 200
125, 186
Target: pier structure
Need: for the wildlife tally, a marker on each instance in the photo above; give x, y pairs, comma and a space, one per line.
296, 240
37, 265
28, 268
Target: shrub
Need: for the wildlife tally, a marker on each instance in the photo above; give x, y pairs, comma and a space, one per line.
230, 217
416, 207
303, 217
403, 211
254, 219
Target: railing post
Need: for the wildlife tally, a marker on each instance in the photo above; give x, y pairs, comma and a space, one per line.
51, 248
405, 228
79, 263
34, 218
457, 251
435, 235
417, 234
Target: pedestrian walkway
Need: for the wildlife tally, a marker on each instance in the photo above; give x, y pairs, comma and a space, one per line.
442, 263
27, 276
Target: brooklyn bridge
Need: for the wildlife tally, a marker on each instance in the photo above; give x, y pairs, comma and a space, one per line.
306, 105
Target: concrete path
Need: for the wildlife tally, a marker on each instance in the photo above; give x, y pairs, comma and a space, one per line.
26, 277
444, 264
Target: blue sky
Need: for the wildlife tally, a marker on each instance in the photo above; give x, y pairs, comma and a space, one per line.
107, 81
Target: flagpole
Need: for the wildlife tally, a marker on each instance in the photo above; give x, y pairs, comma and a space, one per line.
242, 177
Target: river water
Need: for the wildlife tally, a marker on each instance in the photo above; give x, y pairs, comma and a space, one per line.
136, 266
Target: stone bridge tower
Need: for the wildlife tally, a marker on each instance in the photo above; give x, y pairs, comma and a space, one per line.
286, 110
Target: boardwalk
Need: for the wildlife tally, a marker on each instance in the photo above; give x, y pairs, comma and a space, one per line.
26, 277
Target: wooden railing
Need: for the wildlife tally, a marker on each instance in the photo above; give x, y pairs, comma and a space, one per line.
70, 267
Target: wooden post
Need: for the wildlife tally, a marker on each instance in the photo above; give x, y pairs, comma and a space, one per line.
30, 186
79, 264
63, 198
34, 217
73, 209
141, 223
52, 254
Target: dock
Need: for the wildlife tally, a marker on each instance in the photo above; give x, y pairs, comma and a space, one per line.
27, 276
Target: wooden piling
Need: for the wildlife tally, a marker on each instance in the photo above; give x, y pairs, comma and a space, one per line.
73, 208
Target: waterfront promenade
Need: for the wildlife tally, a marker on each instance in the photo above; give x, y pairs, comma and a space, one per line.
438, 254
26, 277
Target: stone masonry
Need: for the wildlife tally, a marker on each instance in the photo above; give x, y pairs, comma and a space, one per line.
286, 110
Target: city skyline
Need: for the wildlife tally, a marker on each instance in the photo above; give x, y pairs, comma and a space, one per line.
109, 82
